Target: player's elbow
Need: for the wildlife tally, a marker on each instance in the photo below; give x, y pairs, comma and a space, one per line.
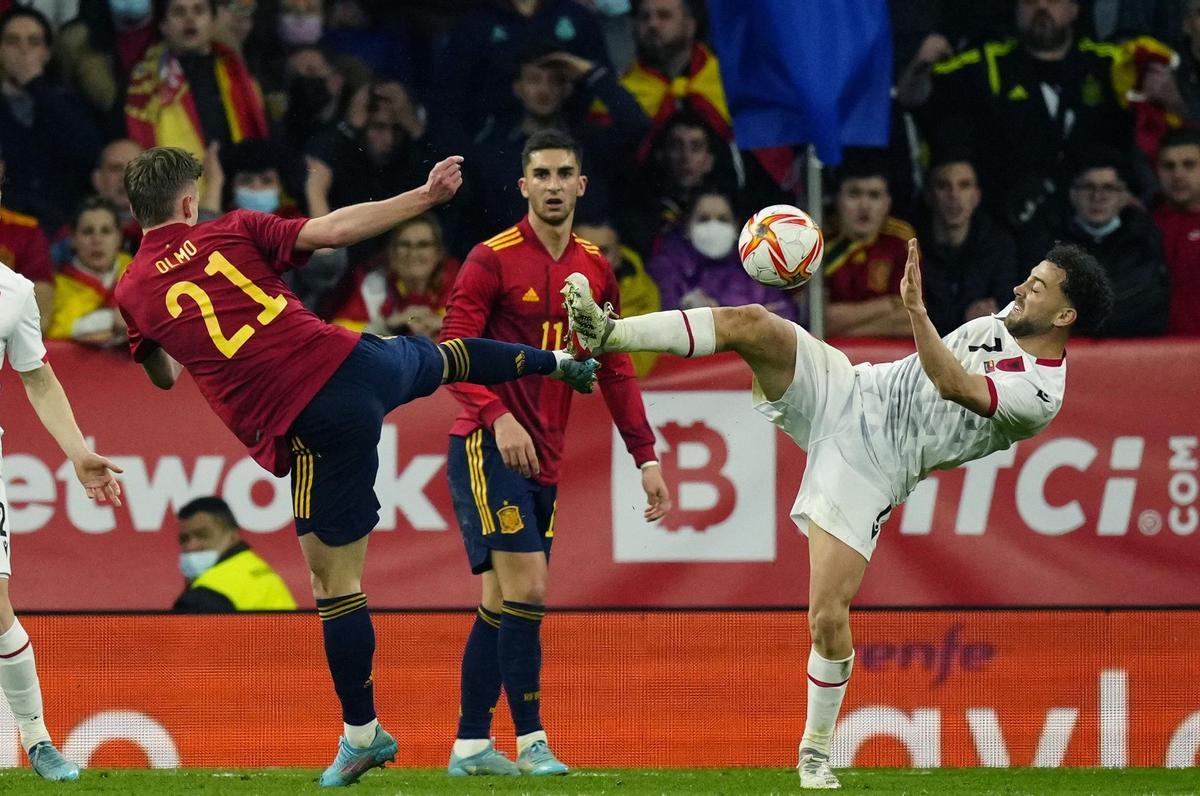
326, 232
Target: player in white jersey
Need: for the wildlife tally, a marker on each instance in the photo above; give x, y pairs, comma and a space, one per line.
21, 343
872, 432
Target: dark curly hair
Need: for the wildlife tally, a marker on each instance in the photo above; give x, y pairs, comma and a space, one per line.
1086, 285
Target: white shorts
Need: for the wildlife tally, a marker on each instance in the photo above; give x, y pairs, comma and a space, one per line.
843, 490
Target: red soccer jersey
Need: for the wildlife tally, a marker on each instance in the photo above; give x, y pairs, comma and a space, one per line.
210, 295
24, 247
1181, 242
863, 270
508, 289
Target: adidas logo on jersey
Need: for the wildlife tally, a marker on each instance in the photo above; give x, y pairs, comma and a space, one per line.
531, 295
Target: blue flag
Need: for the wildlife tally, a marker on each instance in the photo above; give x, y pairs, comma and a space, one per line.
805, 71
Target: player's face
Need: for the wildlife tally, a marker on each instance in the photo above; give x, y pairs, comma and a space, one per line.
605, 238
862, 205
414, 253
1039, 303
97, 239
1045, 24
955, 193
187, 26
689, 159
202, 531
1179, 173
541, 91
23, 48
552, 184
1098, 195
664, 28
109, 177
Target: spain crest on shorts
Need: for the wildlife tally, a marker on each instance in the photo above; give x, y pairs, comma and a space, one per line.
510, 519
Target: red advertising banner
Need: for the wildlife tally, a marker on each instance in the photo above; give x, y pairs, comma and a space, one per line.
633, 689
1101, 509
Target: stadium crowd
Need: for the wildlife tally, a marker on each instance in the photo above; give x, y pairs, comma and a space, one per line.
1015, 123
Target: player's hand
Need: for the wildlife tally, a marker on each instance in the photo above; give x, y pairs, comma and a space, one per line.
658, 499
96, 474
444, 180
575, 67
910, 284
515, 446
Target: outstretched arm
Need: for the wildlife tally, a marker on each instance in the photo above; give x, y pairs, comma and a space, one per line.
353, 223
50, 402
953, 382
162, 369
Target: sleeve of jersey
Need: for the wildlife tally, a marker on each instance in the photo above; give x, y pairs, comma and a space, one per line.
1019, 403
275, 237
26, 351
139, 346
467, 314
622, 395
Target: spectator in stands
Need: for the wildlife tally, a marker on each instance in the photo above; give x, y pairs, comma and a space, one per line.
352, 30
190, 90
1023, 103
1188, 72
557, 90
84, 308
405, 291
1178, 220
25, 249
233, 24
639, 294
223, 574
674, 70
478, 65
865, 259
970, 261
1122, 236
313, 87
50, 141
108, 181
99, 49
698, 264
616, 23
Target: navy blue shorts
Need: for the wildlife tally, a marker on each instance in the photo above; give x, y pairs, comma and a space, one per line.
497, 508
334, 440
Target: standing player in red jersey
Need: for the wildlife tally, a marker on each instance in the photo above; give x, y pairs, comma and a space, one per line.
506, 448
302, 395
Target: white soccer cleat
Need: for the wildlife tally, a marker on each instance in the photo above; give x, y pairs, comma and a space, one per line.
589, 325
815, 773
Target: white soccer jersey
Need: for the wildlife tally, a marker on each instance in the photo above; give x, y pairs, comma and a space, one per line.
913, 430
20, 323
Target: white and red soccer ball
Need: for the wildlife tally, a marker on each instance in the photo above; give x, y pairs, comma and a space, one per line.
781, 246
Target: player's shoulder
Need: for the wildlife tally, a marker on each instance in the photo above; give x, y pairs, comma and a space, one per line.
13, 218
591, 252
12, 283
896, 230
488, 252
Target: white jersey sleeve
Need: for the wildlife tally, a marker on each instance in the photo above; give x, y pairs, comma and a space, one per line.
23, 341
1020, 402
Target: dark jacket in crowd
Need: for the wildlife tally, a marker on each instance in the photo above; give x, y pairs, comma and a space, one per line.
984, 266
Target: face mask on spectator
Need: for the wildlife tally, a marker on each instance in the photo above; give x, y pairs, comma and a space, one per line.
714, 239
194, 564
264, 200
613, 8
129, 9
297, 29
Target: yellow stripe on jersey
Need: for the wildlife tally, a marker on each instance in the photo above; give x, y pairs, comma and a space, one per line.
478, 480
504, 237
509, 244
899, 229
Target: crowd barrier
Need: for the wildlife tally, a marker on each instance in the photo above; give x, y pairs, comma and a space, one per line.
1101, 509
636, 689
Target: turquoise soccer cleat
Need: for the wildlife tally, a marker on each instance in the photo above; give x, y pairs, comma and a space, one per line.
538, 761
489, 762
579, 375
352, 762
49, 763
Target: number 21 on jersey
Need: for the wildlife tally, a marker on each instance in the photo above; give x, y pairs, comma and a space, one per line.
218, 264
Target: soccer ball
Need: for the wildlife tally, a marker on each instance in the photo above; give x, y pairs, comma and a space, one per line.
781, 246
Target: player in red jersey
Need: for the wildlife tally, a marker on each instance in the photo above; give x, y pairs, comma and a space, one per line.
302, 395
506, 448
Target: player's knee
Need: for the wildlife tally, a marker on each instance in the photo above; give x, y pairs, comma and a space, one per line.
527, 590
827, 622
329, 583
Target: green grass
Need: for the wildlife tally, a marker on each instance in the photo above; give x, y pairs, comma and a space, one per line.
628, 781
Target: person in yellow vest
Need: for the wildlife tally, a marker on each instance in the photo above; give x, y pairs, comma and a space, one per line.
222, 572
84, 308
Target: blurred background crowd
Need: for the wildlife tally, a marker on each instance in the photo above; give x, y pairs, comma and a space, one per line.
1015, 123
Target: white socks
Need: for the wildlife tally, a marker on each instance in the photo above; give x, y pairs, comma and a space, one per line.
361, 736
827, 682
465, 747
529, 738
685, 333
18, 678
